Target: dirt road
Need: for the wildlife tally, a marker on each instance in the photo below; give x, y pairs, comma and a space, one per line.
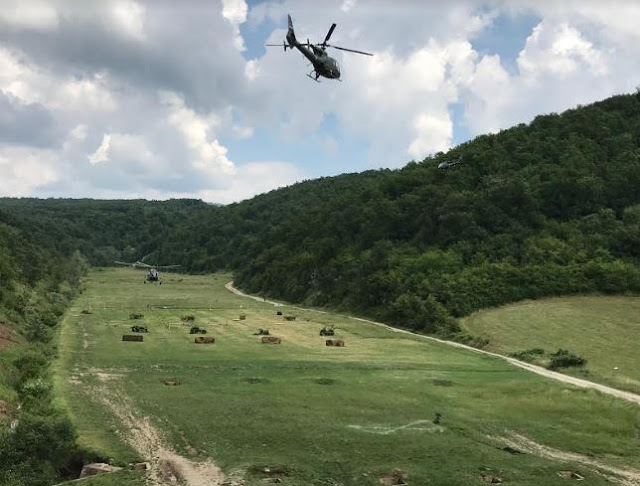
632, 397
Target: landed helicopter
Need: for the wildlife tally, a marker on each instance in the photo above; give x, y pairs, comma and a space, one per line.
152, 274
323, 64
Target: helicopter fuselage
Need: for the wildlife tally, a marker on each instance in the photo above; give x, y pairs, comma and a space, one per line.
323, 64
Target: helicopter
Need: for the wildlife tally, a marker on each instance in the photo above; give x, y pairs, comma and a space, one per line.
152, 274
450, 164
323, 64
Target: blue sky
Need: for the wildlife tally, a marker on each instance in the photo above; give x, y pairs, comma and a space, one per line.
135, 98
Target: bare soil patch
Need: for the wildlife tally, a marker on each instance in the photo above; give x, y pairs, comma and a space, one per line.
166, 466
7, 337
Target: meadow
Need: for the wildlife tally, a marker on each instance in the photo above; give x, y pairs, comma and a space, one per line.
244, 412
605, 330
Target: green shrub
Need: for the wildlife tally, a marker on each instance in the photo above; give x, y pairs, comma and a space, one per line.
564, 359
528, 355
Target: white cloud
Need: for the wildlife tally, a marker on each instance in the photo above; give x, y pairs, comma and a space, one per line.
24, 169
348, 5
433, 134
208, 154
254, 178
150, 99
235, 11
31, 14
559, 50
129, 16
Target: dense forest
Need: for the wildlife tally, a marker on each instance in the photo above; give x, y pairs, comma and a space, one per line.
37, 441
548, 208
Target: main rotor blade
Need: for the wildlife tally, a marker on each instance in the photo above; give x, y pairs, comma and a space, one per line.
350, 50
331, 29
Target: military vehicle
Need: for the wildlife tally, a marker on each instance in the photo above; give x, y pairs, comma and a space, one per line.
327, 331
197, 330
139, 329
261, 332
323, 64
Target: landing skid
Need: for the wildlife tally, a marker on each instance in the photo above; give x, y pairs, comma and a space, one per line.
315, 78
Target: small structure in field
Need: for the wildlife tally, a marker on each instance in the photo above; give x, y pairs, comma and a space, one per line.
205, 340
188, 318
97, 468
271, 340
139, 329
197, 330
279, 313
242, 317
261, 332
327, 331
134, 316
289, 318
133, 337
338, 343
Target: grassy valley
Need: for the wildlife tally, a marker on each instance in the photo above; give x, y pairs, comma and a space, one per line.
317, 414
603, 330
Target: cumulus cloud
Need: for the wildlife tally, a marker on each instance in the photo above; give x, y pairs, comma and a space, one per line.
24, 123
138, 98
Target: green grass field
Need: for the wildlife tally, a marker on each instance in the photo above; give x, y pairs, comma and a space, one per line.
604, 330
323, 416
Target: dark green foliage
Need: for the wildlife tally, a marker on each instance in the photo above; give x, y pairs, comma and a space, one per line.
564, 359
549, 208
34, 453
528, 355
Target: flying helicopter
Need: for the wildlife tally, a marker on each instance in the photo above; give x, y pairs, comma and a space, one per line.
152, 274
450, 164
323, 64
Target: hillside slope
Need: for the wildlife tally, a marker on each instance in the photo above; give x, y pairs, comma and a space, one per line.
549, 208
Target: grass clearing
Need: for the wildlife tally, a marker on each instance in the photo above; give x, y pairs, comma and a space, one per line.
319, 415
604, 330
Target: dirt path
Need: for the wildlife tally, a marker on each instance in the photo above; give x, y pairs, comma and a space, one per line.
627, 477
632, 397
166, 466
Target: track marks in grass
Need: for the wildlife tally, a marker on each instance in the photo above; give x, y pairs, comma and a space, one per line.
418, 425
167, 466
624, 476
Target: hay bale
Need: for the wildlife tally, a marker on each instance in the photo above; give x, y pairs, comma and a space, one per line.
133, 337
271, 340
338, 343
205, 340
97, 468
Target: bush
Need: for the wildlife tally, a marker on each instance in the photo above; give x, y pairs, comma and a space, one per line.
564, 359
33, 452
528, 355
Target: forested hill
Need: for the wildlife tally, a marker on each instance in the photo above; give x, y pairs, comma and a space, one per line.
548, 208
